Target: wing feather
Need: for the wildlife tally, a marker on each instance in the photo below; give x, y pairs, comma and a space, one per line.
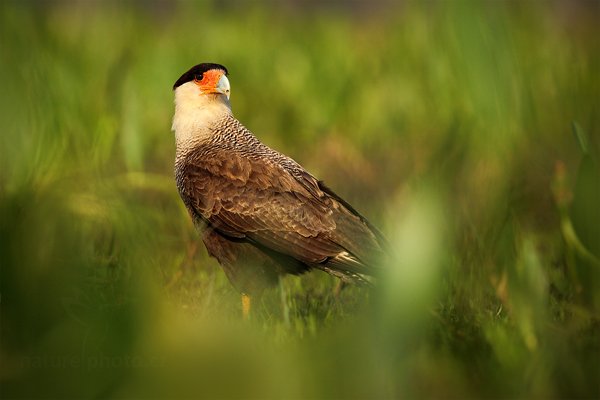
279, 207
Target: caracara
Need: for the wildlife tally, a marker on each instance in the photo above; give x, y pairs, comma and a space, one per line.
259, 212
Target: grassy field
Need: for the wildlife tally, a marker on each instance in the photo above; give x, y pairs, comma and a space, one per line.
469, 132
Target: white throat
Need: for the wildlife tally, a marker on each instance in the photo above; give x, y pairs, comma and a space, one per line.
196, 114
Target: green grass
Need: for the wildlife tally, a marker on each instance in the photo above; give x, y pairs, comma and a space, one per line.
469, 132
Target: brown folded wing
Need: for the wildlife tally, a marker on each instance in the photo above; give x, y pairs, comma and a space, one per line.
278, 206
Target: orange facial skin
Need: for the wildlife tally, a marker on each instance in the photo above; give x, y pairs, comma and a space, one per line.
209, 81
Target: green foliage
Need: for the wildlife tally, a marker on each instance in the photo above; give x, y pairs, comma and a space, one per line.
469, 132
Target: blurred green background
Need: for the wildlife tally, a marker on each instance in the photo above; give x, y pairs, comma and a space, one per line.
468, 131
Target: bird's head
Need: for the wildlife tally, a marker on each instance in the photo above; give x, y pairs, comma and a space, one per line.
204, 79
201, 97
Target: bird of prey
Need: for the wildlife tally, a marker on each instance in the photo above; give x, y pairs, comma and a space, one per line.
260, 213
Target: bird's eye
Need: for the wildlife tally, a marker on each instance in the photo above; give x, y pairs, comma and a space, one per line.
198, 77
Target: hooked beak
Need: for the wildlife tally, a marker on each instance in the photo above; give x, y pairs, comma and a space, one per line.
223, 86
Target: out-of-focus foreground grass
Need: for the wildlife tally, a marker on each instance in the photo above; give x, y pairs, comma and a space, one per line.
469, 132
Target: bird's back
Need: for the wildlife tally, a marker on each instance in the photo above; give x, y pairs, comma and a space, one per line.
247, 196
